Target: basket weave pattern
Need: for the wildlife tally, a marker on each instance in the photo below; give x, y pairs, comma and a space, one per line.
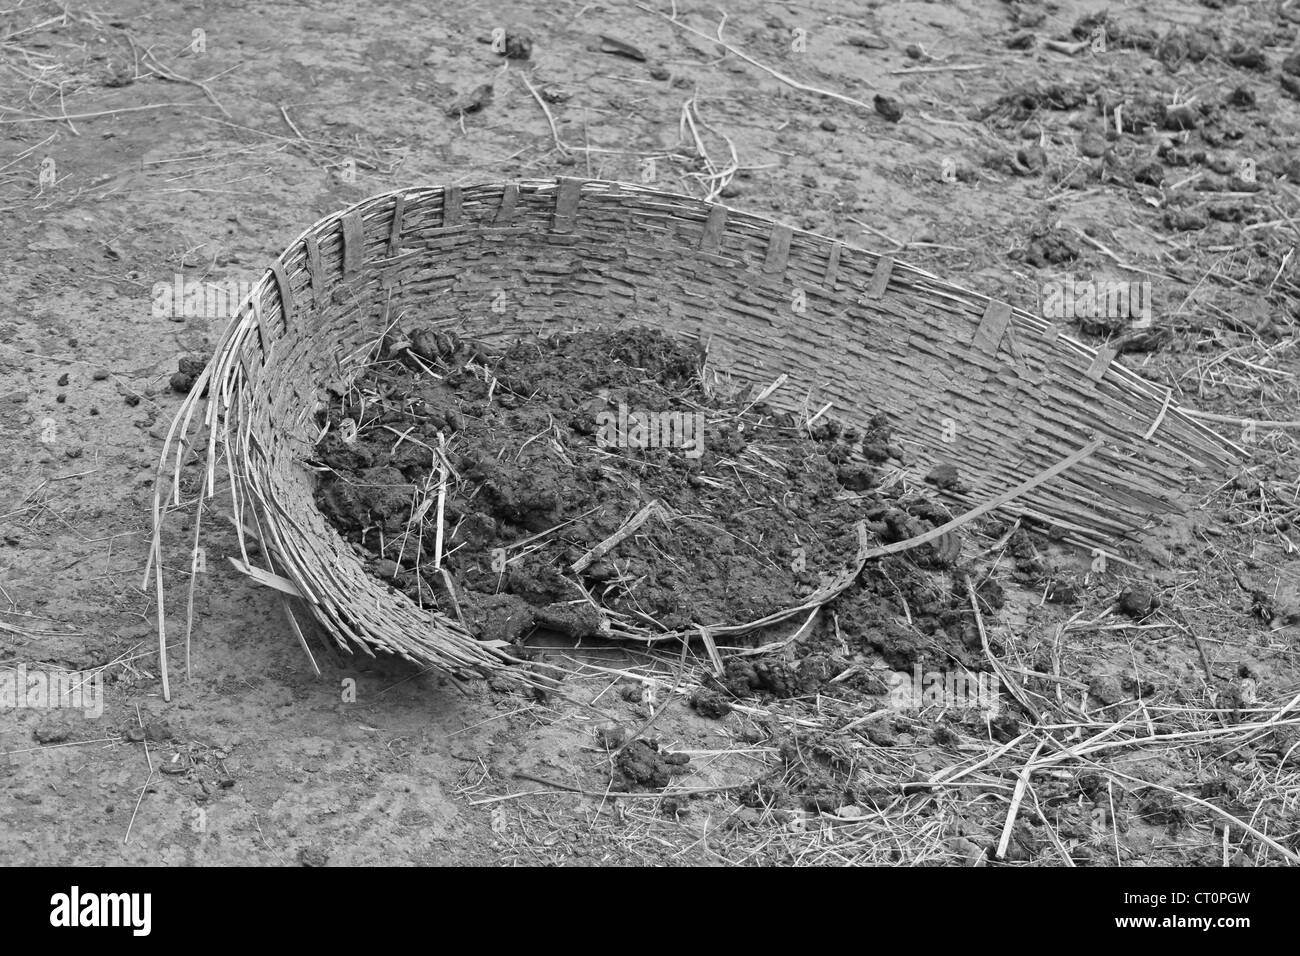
967, 380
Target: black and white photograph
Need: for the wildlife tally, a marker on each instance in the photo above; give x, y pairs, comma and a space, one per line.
648, 433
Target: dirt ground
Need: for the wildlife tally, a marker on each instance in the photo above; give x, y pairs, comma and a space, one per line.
142, 141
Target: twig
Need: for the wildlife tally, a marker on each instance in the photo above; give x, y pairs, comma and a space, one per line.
148, 780
1016, 797
79, 116
625, 794
555, 133
442, 504
1234, 420
167, 74
297, 630
789, 81
1011, 685
70, 743
954, 68
629, 527
990, 505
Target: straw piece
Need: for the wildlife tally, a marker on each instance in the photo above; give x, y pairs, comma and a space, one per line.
628, 528
1164, 408
266, 577
297, 630
1022, 782
992, 504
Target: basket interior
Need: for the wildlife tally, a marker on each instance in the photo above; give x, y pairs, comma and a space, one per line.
767, 300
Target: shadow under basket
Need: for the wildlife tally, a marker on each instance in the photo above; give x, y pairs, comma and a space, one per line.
966, 380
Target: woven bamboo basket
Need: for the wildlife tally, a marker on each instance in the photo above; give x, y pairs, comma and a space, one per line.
967, 380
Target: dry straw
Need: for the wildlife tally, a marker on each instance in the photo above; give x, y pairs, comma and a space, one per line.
968, 380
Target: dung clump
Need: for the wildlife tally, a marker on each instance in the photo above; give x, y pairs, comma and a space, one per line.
643, 766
